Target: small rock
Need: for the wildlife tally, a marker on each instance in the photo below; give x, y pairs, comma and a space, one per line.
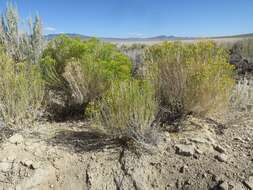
249, 108
238, 139
214, 178
185, 150
11, 158
238, 186
27, 143
249, 183
35, 165
30, 164
223, 186
183, 169
247, 139
198, 140
219, 148
222, 157
170, 185
196, 156
198, 151
26, 163
187, 182
217, 178
16, 139
93, 157
5, 166
38, 177
2, 124
178, 184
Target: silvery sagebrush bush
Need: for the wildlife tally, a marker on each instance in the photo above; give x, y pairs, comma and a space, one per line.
21, 44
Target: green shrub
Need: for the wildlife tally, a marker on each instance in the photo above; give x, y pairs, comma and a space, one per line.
21, 91
190, 78
81, 71
128, 111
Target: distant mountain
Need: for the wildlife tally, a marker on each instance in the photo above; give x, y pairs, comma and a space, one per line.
155, 38
249, 35
150, 39
51, 36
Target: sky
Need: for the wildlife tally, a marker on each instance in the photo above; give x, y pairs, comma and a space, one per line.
140, 18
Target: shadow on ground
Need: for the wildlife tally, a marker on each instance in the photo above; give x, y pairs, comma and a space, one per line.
84, 141
5, 133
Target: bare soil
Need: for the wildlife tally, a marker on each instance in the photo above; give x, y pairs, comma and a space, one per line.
205, 154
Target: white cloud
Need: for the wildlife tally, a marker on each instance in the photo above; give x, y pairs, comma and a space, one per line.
50, 29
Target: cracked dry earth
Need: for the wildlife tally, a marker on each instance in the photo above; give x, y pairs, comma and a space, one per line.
66, 156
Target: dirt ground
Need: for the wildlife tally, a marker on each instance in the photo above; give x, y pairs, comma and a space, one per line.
205, 154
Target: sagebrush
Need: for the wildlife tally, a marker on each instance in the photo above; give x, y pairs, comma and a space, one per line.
21, 91
128, 111
20, 43
190, 78
242, 96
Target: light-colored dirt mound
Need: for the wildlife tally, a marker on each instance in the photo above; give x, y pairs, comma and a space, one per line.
67, 156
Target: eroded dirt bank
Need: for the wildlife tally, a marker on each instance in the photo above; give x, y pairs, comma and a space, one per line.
65, 156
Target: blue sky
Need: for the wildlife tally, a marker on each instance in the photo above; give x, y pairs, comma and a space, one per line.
141, 18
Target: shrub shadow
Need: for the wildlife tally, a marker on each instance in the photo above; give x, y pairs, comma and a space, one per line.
5, 133
84, 141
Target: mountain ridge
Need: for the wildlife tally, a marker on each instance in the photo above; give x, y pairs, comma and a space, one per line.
154, 38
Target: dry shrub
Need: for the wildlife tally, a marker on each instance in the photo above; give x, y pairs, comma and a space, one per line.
245, 48
21, 91
87, 82
190, 78
128, 112
242, 96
